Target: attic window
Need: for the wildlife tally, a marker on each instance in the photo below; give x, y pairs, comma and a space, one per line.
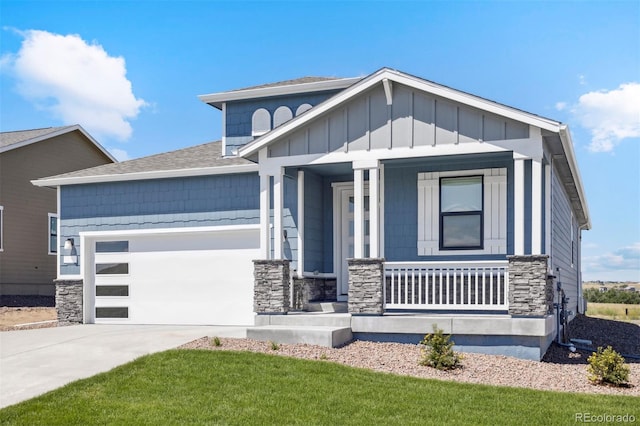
303, 108
260, 122
281, 116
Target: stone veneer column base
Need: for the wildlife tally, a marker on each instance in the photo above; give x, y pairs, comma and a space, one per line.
530, 289
271, 286
366, 278
69, 295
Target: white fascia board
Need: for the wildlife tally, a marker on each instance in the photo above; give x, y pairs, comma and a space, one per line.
567, 146
368, 158
217, 99
407, 80
59, 132
181, 230
156, 174
476, 102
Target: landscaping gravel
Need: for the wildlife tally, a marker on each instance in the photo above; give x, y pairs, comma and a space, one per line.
560, 370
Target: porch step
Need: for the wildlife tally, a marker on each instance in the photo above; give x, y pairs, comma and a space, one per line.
340, 307
330, 337
305, 319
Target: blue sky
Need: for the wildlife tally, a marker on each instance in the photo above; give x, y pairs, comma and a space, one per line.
129, 72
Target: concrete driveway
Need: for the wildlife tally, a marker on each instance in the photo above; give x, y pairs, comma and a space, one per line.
33, 362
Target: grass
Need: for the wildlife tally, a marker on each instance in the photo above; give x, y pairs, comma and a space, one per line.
614, 311
221, 387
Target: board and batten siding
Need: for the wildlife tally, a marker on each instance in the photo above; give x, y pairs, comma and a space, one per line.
415, 118
218, 200
494, 211
565, 240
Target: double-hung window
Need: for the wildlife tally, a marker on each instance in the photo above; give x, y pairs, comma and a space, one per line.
461, 213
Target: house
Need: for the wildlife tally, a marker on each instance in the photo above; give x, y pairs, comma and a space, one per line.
403, 202
29, 214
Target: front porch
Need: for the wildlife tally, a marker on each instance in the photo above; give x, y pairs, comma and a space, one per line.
489, 307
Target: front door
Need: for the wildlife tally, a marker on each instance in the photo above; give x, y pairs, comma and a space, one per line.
344, 244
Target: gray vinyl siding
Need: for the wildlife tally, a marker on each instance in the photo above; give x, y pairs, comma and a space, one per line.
563, 256
154, 204
401, 201
25, 265
415, 119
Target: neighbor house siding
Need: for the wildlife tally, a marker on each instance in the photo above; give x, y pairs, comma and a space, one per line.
415, 119
163, 203
401, 202
25, 265
562, 254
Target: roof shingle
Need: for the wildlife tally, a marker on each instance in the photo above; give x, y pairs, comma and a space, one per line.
15, 137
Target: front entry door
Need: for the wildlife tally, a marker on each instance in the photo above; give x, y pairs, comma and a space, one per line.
344, 243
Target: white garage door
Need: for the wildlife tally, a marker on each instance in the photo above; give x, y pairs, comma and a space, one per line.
175, 278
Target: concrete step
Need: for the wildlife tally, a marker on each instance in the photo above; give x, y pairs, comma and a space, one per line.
330, 337
327, 307
305, 319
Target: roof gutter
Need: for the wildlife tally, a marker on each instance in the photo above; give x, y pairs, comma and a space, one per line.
155, 174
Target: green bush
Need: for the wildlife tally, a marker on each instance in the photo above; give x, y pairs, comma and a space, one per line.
216, 341
437, 351
607, 366
594, 295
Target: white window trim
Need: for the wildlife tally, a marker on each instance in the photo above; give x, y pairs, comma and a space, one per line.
494, 212
49, 216
1, 228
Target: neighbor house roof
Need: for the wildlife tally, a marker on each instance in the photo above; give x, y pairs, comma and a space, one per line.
286, 87
17, 139
205, 159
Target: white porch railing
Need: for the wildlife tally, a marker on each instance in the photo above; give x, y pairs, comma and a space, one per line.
473, 286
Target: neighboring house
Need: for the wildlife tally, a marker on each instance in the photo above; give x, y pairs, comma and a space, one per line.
410, 202
29, 214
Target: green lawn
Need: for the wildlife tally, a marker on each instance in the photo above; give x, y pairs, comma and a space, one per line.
205, 387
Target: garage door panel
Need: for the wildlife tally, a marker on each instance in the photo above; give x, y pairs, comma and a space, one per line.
202, 278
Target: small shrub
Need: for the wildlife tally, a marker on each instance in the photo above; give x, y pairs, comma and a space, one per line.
607, 366
274, 346
437, 351
323, 356
216, 341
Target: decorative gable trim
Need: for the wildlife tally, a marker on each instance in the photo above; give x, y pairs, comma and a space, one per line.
410, 81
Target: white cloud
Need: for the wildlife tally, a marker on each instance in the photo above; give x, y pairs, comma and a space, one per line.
622, 262
77, 81
610, 116
582, 79
120, 154
561, 106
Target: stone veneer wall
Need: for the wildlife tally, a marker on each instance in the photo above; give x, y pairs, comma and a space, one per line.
271, 286
69, 295
311, 289
530, 290
366, 277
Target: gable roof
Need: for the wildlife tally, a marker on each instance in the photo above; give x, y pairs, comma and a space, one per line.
204, 159
17, 139
387, 74
286, 87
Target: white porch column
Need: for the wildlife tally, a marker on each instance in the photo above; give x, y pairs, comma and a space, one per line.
374, 215
300, 223
518, 205
265, 225
536, 207
547, 209
358, 213
381, 212
278, 205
